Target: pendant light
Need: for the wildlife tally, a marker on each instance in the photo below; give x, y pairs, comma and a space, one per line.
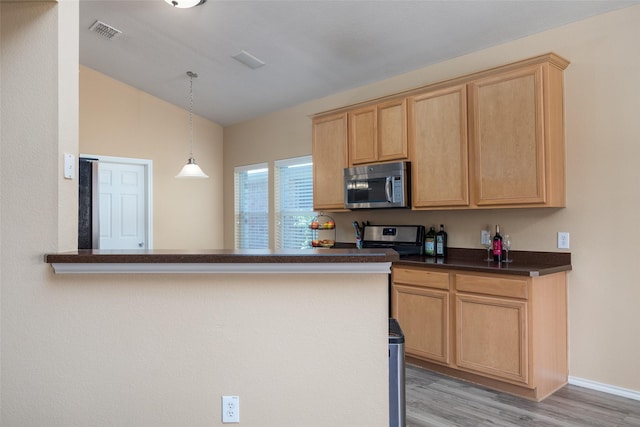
191, 169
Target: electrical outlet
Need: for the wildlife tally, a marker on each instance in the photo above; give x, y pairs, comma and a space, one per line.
230, 409
563, 240
485, 237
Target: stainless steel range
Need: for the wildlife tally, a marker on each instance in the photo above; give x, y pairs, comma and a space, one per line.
404, 239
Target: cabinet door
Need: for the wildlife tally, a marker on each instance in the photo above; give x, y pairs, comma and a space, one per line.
363, 144
329, 146
392, 130
438, 148
423, 315
491, 337
507, 135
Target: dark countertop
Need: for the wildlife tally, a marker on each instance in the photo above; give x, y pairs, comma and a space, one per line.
225, 256
525, 263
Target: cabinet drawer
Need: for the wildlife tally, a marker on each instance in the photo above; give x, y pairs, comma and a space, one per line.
421, 277
492, 285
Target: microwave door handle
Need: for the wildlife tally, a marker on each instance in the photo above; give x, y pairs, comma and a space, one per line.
388, 189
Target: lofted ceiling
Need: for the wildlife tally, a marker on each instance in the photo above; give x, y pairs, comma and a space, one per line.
311, 49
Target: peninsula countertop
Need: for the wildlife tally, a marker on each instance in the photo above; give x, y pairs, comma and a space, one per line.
224, 261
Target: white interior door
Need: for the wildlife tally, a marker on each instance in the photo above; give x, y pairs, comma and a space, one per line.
122, 190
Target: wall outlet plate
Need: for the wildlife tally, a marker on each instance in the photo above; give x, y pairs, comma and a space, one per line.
485, 237
230, 409
563, 240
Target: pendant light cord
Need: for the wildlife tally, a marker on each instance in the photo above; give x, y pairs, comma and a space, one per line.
191, 76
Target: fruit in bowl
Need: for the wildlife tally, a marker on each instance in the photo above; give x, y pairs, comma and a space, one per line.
324, 243
315, 225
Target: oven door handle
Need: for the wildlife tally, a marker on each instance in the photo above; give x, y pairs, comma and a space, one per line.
388, 189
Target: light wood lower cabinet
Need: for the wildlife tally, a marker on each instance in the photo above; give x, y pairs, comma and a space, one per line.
421, 304
505, 332
491, 337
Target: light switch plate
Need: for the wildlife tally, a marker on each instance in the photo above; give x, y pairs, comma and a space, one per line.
69, 166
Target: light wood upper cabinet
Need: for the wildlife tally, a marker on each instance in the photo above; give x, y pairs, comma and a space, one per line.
517, 136
378, 133
492, 139
363, 135
392, 130
329, 148
437, 122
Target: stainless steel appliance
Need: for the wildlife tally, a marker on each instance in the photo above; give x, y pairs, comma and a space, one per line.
404, 239
397, 412
383, 185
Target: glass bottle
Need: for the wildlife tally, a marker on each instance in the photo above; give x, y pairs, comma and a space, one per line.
497, 245
441, 242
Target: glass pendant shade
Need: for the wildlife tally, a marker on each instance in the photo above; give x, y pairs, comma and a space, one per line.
185, 4
191, 170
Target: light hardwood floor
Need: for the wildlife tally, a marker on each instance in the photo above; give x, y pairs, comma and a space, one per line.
436, 400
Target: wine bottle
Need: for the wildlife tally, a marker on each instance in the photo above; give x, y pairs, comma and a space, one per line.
497, 245
430, 242
441, 242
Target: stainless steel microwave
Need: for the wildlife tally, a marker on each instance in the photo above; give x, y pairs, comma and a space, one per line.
384, 185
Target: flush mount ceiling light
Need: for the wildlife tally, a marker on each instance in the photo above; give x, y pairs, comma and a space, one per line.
191, 169
185, 4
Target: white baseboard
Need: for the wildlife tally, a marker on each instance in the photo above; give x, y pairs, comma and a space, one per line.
606, 388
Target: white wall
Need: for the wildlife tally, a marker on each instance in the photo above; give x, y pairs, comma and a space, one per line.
603, 203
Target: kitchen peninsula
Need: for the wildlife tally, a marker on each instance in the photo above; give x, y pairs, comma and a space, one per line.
224, 261
258, 324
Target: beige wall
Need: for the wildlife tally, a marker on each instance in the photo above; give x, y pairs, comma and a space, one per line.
601, 104
119, 120
151, 350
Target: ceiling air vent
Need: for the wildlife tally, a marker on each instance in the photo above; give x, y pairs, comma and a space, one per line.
249, 60
104, 30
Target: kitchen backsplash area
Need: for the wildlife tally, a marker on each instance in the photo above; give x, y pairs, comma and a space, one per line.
528, 228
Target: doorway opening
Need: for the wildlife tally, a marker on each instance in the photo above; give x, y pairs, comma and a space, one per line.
116, 192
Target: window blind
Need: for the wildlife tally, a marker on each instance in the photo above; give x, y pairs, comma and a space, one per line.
293, 202
251, 189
